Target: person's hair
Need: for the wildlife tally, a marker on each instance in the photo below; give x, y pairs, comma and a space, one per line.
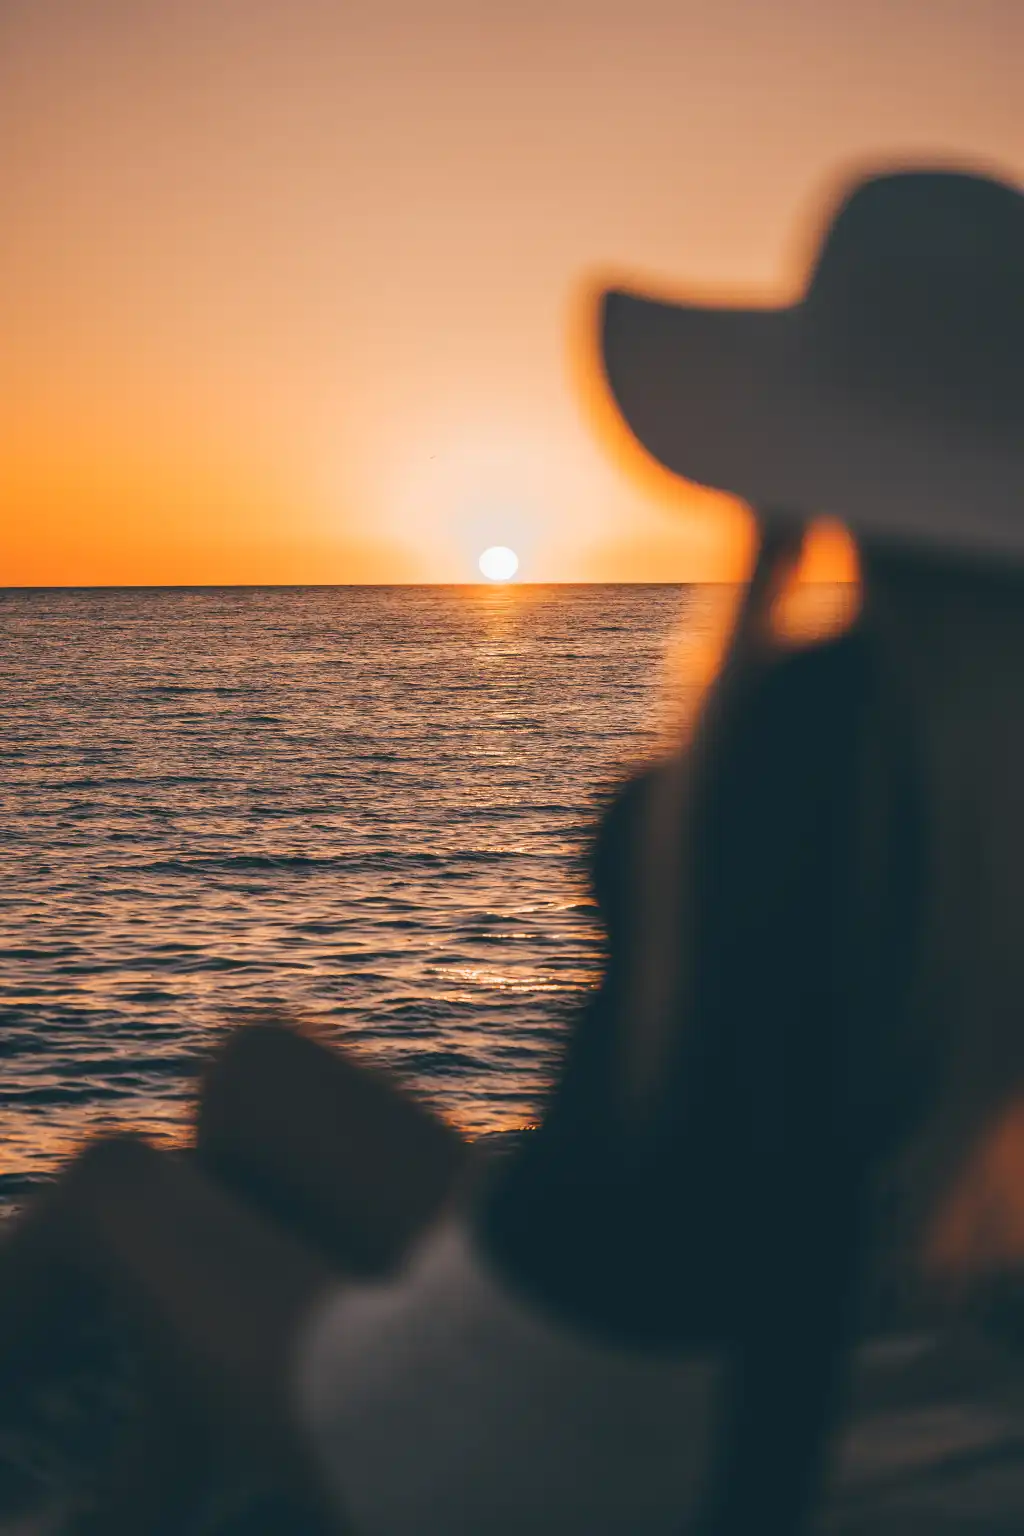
942, 742
950, 646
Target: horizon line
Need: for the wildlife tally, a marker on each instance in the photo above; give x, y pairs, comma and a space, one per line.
320, 586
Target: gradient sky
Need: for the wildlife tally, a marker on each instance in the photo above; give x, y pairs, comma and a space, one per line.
286, 285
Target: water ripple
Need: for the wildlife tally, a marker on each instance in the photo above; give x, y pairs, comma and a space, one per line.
371, 804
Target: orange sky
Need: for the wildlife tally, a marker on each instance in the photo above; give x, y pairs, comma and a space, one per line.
286, 285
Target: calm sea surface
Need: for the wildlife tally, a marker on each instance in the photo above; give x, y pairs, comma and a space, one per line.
368, 804
371, 805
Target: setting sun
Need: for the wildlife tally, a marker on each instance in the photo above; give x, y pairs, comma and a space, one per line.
499, 563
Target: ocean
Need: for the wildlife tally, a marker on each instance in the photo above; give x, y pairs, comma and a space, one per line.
370, 806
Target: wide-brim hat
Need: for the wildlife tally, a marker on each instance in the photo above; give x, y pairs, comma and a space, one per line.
890, 395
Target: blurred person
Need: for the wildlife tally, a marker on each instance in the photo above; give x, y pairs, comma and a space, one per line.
639, 1321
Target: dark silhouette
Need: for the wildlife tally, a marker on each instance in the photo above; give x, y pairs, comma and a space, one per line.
834, 828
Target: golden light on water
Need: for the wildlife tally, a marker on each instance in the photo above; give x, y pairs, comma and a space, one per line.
499, 563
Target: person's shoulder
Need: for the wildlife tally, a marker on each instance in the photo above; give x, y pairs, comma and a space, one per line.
794, 719
798, 715
797, 693
830, 676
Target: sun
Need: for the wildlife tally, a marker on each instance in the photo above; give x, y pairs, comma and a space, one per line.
499, 563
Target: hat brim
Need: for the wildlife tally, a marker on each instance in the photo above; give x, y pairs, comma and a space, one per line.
729, 398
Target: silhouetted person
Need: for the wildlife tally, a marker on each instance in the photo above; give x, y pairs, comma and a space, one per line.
815, 979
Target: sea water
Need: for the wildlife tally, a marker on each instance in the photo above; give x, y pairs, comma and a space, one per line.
370, 806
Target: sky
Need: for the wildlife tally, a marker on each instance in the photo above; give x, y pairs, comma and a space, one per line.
290, 290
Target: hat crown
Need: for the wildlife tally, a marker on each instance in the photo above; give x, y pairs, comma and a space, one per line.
918, 295
890, 395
